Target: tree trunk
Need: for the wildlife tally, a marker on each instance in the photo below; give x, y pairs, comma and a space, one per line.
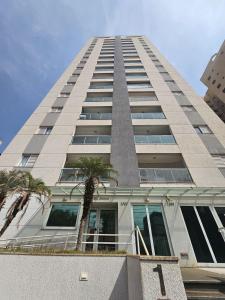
80, 234
14, 212
6, 225
2, 199
88, 199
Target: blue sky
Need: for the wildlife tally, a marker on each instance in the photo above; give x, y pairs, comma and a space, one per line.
39, 38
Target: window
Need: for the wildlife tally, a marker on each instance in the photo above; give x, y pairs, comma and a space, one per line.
202, 129
219, 85
28, 160
204, 231
209, 77
150, 220
45, 130
187, 108
56, 109
214, 81
224, 90
63, 215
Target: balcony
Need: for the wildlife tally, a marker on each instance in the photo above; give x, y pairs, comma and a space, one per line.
99, 97
166, 168
164, 175
136, 75
72, 175
101, 85
91, 139
153, 115
142, 96
154, 139
96, 113
139, 85
147, 112
69, 174
96, 116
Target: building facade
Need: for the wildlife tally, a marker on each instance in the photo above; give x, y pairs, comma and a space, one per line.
214, 78
121, 100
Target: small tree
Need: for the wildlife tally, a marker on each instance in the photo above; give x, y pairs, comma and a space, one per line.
92, 170
27, 188
10, 181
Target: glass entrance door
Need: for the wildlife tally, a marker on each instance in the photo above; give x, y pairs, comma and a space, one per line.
102, 223
205, 228
150, 220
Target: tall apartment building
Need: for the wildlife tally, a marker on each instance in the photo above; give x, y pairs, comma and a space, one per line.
121, 100
214, 78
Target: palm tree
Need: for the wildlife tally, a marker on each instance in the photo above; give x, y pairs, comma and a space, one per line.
92, 170
28, 187
9, 182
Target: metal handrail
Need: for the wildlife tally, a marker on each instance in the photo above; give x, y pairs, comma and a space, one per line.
65, 241
139, 235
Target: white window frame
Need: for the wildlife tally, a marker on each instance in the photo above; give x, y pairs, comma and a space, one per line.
202, 129
30, 158
62, 227
44, 130
56, 109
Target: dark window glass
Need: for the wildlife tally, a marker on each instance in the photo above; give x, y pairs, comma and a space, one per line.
140, 220
214, 236
221, 213
63, 215
198, 241
161, 244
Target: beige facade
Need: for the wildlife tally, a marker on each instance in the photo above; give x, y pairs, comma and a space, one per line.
178, 142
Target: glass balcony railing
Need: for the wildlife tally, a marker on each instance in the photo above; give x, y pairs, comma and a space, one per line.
164, 175
101, 86
153, 115
91, 139
141, 98
154, 139
96, 116
73, 175
139, 86
98, 99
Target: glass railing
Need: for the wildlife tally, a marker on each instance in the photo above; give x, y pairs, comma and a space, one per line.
164, 175
150, 98
91, 139
73, 175
96, 116
98, 99
153, 115
138, 86
154, 139
101, 86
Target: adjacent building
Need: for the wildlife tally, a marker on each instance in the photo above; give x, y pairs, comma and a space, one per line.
121, 100
214, 78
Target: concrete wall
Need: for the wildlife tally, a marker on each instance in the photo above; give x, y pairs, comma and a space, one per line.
108, 277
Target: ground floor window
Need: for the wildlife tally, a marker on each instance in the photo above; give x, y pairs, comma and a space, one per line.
150, 220
205, 226
63, 215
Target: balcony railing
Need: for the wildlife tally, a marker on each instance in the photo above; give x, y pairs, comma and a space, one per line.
101, 86
96, 116
164, 175
139, 86
154, 139
147, 98
98, 99
91, 139
153, 115
73, 175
